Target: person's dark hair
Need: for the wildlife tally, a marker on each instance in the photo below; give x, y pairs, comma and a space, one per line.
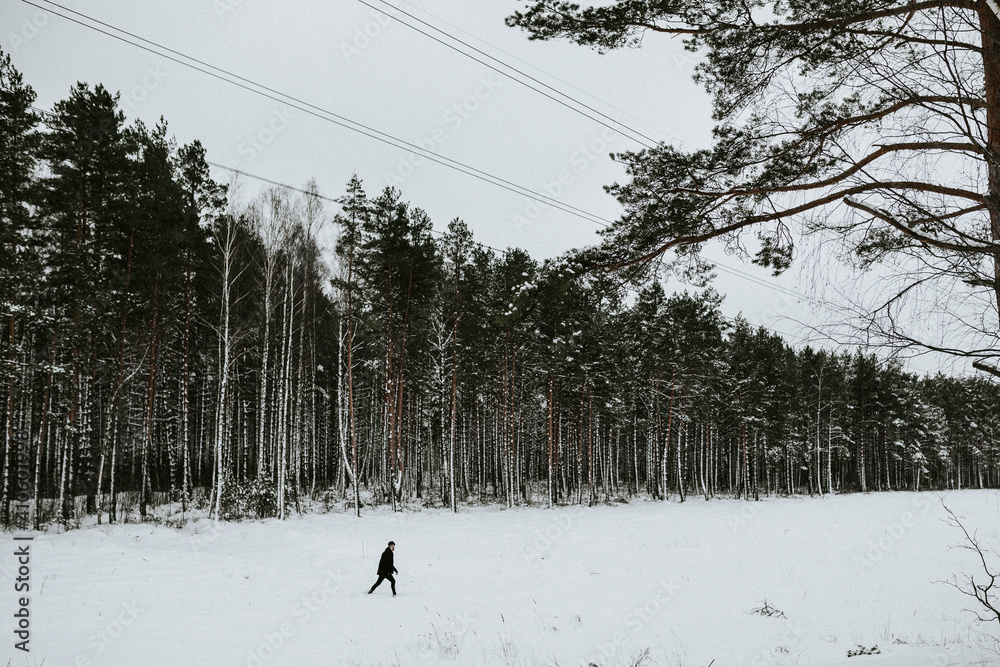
391, 543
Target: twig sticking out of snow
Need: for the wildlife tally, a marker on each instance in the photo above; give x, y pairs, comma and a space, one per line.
767, 610
986, 590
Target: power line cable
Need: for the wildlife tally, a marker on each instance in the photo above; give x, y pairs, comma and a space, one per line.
311, 194
511, 77
268, 180
538, 69
768, 284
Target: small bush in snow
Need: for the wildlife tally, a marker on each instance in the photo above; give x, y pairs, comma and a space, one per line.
252, 499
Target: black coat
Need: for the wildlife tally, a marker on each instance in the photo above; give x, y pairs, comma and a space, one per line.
385, 565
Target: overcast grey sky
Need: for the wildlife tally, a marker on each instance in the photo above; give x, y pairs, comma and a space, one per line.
352, 60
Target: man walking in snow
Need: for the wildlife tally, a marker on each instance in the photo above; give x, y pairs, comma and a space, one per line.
386, 569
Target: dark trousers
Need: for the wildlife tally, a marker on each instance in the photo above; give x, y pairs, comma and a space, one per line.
381, 578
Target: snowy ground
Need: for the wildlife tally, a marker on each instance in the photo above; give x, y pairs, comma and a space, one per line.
565, 587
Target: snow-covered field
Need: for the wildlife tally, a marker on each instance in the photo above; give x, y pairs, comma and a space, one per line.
566, 587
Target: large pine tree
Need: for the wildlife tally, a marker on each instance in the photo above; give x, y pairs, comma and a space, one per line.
872, 122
